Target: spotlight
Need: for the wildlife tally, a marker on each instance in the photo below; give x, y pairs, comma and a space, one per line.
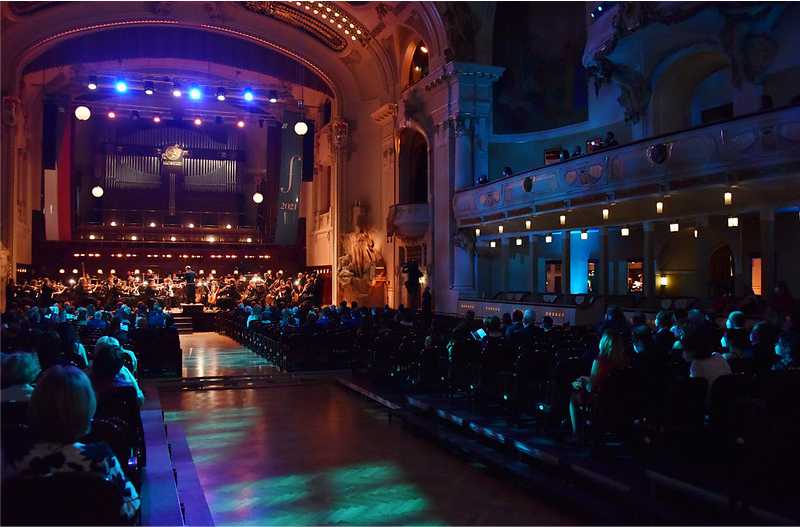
97, 191
220, 94
248, 94
195, 94
156, 119
198, 121
148, 88
82, 113
273, 96
258, 197
176, 90
112, 115
300, 128
92, 82
121, 86
240, 123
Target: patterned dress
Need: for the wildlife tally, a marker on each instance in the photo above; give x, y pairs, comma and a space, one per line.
44, 459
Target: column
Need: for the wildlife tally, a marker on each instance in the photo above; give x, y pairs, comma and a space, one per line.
767, 224
648, 246
565, 261
602, 265
702, 257
532, 257
505, 255
462, 128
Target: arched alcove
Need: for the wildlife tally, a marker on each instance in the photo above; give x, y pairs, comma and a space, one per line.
675, 83
413, 173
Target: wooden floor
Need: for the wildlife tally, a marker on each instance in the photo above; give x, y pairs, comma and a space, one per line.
212, 354
311, 455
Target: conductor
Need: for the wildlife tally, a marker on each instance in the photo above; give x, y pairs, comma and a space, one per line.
189, 276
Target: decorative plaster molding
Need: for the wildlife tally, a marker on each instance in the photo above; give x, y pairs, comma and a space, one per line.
340, 135
385, 114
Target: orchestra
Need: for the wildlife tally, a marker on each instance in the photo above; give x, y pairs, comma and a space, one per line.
171, 290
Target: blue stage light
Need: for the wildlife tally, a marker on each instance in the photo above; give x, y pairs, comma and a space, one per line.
248, 94
121, 86
195, 93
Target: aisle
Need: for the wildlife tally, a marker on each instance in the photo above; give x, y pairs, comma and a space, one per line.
212, 354
317, 454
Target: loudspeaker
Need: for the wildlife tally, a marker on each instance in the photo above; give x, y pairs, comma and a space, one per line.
308, 154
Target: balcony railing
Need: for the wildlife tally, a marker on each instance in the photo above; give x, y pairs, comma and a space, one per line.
759, 144
410, 221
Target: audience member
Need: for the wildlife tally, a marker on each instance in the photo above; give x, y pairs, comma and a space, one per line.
18, 375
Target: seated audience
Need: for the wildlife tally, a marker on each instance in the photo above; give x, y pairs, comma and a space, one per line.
18, 375
697, 344
97, 321
787, 349
62, 407
109, 370
611, 357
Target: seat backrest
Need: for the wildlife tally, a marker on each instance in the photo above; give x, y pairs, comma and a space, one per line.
14, 412
72, 498
726, 390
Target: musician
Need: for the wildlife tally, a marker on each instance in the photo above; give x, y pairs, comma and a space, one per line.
189, 278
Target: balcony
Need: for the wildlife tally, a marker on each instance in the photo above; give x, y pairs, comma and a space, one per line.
409, 222
752, 148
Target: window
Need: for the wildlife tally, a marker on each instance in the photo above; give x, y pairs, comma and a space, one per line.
552, 282
635, 276
755, 274
419, 64
591, 275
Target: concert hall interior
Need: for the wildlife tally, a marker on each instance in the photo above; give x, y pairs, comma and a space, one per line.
399, 262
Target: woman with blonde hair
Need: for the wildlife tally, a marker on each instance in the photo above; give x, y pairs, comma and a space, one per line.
61, 411
611, 357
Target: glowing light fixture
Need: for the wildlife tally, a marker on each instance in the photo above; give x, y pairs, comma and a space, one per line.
663, 281
121, 86
674, 227
220, 94
191, 225
156, 119
211, 239
97, 191
659, 207
113, 223
249, 240
92, 236
423, 49
228, 226
548, 238
272, 97
300, 128
625, 231
248, 94
198, 121
696, 233
477, 232
562, 220
258, 197
519, 242
176, 90
492, 244
528, 224
500, 229
152, 224
134, 237
148, 88
240, 123
195, 93
92, 82
727, 198
584, 235
172, 238
82, 113
61, 271
112, 115
606, 212
733, 221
